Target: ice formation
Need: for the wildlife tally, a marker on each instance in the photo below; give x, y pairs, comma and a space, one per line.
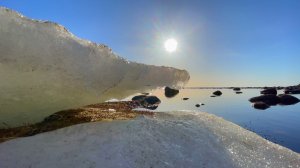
44, 68
173, 139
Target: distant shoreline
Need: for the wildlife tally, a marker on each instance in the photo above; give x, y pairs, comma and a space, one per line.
245, 87
221, 87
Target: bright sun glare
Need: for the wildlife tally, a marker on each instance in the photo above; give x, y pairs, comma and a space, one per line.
171, 45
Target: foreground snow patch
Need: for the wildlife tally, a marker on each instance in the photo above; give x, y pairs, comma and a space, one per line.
175, 139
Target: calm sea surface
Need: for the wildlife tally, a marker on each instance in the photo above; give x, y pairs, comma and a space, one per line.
279, 124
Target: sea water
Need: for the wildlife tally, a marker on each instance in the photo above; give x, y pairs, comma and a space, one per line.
279, 124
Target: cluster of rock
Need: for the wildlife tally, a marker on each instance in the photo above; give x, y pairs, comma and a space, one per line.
147, 101
198, 105
269, 98
171, 92
292, 89
237, 90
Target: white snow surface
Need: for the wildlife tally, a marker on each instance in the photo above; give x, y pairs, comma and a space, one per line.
44, 68
172, 139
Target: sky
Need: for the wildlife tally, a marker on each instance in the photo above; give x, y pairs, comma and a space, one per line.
220, 43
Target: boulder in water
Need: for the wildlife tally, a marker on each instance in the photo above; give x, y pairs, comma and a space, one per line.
169, 92
269, 99
292, 91
288, 99
272, 91
148, 102
217, 93
197, 105
185, 98
236, 89
152, 100
139, 98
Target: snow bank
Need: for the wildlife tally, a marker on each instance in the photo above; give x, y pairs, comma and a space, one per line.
44, 68
175, 139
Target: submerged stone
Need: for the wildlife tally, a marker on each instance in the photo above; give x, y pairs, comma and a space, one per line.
260, 105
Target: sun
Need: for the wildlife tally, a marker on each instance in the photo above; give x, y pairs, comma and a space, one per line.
171, 45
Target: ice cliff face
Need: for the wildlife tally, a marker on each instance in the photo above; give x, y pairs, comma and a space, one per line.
44, 68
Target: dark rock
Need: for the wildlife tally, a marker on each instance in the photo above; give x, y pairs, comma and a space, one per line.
236, 89
185, 98
152, 100
213, 96
169, 92
288, 99
139, 98
238, 92
279, 88
268, 99
217, 93
269, 91
202, 104
260, 105
292, 91
149, 102
197, 105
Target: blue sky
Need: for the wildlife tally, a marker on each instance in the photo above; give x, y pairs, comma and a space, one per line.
221, 43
